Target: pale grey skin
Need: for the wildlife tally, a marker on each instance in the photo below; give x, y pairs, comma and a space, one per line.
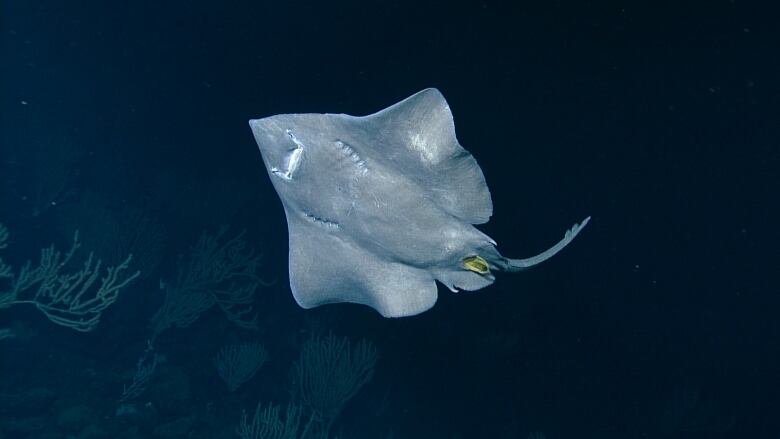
380, 207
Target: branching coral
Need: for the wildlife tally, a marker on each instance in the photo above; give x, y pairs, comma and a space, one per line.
64, 293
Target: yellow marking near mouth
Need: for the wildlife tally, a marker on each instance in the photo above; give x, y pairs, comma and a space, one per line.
477, 264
